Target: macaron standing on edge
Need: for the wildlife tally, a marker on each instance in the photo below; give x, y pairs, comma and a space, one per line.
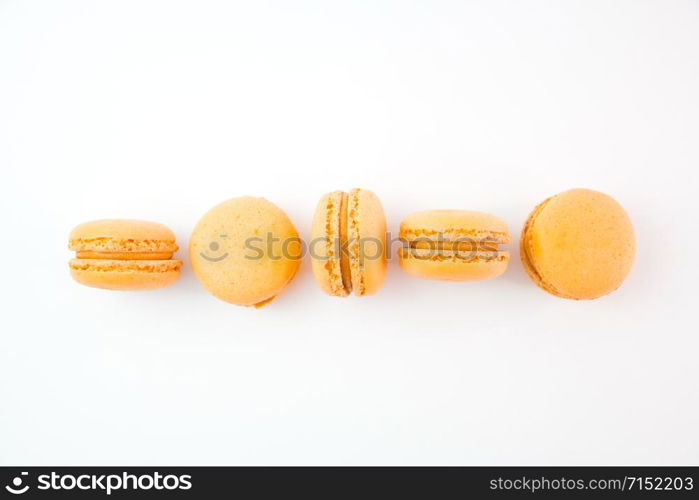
123, 254
453, 245
244, 251
579, 244
348, 243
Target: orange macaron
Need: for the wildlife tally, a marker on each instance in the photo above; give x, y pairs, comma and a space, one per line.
579, 244
348, 243
245, 251
123, 254
453, 245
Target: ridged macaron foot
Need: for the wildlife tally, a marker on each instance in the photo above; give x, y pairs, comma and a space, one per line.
348, 243
579, 244
123, 254
245, 251
453, 245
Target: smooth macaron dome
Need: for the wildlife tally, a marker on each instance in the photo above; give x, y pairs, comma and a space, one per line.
123, 254
245, 251
579, 244
348, 243
453, 245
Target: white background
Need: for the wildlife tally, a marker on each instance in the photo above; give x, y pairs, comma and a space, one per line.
160, 110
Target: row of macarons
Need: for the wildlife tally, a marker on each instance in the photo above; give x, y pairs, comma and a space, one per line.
578, 244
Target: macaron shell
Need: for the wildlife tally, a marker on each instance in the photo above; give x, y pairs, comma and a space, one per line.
122, 236
125, 274
245, 251
524, 254
366, 231
325, 244
446, 266
579, 244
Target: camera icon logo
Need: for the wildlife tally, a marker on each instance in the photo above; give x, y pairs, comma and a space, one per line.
16, 488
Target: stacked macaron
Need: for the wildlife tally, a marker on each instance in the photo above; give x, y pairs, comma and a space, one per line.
121, 254
453, 245
348, 243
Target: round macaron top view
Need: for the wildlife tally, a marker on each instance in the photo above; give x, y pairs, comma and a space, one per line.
453, 245
348, 243
123, 254
579, 244
244, 251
